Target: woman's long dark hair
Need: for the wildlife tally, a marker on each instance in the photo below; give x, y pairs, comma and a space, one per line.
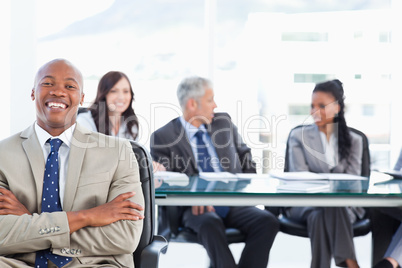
335, 88
99, 109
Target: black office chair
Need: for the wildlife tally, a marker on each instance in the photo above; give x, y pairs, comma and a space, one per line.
150, 246
170, 226
181, 234
360, 228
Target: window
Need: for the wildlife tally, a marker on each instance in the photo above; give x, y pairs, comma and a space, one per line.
264, 58
312, 78
305, 37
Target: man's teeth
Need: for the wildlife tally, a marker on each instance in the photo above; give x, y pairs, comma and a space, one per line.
56, 105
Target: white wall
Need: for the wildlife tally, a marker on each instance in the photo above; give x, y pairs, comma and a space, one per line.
5, 21
22, 64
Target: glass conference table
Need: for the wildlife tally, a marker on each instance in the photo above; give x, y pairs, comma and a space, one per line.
380, 190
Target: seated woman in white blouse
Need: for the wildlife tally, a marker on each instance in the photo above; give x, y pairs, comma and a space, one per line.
324, 147
112, 111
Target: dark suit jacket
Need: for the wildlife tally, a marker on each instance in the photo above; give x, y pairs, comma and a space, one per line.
171, 147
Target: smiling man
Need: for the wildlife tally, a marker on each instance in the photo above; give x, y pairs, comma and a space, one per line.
68, 197
58, 92
204, 141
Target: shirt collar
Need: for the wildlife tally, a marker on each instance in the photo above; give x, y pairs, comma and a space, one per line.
43, 135
190, 129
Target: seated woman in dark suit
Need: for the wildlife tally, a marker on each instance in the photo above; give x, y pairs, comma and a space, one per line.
324, 147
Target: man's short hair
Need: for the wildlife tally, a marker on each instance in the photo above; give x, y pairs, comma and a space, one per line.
192, 88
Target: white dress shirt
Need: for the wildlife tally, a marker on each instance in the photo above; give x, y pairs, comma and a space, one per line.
64, 153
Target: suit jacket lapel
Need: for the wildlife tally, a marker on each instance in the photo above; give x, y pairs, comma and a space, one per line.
222, 138
184, 144
218, 136
34, 154
313, 140
77, 151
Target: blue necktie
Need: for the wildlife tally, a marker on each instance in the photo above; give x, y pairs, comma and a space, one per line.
204, 162
51, 202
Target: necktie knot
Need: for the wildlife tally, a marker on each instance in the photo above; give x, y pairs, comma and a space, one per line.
200, 142
55, 144
199, 134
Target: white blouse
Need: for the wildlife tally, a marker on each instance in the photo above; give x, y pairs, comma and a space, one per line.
330, 148
86, 120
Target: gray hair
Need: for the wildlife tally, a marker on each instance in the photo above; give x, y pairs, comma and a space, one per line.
192, 88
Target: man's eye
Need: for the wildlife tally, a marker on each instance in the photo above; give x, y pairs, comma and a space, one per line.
70, 87
46, 84
322, 106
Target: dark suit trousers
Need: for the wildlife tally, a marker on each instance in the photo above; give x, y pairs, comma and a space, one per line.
384, 223
330, 232
259, 226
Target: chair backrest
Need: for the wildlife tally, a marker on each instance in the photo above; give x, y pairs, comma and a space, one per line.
286, 167
365, 168
82, 110
366, 162
144, 161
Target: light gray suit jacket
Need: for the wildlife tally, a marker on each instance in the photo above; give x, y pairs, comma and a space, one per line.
100, 168
306, 152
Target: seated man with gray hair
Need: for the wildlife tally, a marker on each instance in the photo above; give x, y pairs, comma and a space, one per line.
203, 141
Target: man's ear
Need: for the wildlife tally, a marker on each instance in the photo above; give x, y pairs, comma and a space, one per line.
82, 98
33, 94
191, 104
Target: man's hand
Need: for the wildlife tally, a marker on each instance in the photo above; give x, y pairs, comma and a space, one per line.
9, 204
157, 166
198, 210
119, 208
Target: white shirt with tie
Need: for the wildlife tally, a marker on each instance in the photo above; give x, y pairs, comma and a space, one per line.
64, 152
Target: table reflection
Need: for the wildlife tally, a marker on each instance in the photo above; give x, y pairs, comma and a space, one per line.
262, 184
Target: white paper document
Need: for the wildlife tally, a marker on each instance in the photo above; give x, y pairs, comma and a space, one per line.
396, 174
306, 175
252, 176
303, 187
218, 176
303, 175
172, 178
343, 177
